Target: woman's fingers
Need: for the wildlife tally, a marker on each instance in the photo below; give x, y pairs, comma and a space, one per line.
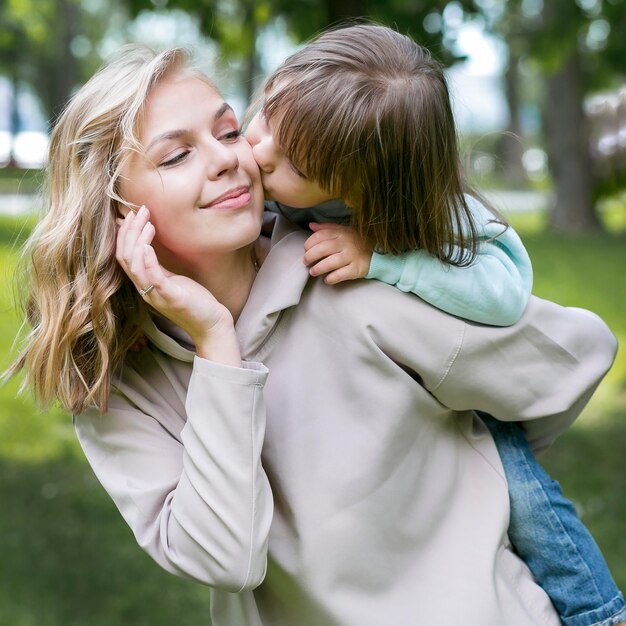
134, 228
137, 254
135, 232
122, 228
129, 231
153, 273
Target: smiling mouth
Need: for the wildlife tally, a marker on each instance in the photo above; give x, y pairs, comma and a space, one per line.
233, 199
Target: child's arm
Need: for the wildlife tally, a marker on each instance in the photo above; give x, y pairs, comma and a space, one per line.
493, 290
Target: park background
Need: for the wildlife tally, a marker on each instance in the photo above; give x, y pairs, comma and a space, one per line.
539, 91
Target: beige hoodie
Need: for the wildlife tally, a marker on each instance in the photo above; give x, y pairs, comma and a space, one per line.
391, 507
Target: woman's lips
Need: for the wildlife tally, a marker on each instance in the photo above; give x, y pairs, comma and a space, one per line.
232, 199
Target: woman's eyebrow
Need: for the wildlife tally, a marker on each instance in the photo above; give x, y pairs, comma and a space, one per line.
225, 107
170, 134
175, 134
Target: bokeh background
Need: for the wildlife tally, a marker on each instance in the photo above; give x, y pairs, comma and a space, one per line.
539, 93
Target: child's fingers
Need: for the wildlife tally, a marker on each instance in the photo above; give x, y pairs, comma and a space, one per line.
340, 275
328, 264
322, 250
319, 226
324, 234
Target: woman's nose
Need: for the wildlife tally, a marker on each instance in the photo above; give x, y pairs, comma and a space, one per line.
223, 159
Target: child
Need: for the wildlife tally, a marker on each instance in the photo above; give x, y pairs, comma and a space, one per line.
361, 118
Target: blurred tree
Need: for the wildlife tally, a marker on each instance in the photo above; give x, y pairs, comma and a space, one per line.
422, 19
505, 20
9, 63
51, 45
578, 47
235, 24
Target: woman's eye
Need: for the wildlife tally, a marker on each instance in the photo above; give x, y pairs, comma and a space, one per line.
175, 159
232, 135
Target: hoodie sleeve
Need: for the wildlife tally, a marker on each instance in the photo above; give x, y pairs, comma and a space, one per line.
185, 469
541, 371
494, 289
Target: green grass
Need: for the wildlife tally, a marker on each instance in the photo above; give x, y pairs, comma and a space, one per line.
68, 559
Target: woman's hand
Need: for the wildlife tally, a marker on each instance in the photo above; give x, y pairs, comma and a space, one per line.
182, 300
337, 251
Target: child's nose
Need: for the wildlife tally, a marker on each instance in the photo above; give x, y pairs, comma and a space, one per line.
263, 153
255, 130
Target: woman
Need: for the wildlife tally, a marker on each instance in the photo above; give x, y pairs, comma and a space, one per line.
85, 313
391, 507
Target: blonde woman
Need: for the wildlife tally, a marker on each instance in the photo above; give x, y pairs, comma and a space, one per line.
197, 499
390, 501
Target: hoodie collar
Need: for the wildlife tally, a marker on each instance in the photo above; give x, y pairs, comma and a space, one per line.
278, 286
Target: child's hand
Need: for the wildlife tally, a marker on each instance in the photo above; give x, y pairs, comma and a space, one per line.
337, 251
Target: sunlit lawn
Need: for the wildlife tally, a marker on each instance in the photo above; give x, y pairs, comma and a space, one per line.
67, 558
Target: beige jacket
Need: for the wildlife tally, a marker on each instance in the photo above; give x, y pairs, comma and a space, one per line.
391, 508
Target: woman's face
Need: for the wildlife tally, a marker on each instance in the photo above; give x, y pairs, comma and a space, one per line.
282, 181
198, 177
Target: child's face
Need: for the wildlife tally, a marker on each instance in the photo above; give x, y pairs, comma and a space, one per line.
282, 181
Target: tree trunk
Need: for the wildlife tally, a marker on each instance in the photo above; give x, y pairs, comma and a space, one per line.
251, 62
567, 136
14, 114
511, 147
58, 76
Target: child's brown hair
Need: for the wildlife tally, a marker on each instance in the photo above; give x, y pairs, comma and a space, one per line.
365, 112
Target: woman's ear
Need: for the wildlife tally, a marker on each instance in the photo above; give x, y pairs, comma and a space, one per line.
124, 209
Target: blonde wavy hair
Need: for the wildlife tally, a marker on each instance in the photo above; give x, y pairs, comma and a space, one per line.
83, 311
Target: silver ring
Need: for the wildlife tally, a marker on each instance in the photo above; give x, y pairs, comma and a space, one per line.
146, 291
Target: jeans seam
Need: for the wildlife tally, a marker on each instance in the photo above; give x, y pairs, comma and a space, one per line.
615, 606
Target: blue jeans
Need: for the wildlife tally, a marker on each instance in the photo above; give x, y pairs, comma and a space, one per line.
548, 535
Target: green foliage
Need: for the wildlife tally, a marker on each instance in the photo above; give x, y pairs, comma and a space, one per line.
52, 45
234, 24
592, 29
